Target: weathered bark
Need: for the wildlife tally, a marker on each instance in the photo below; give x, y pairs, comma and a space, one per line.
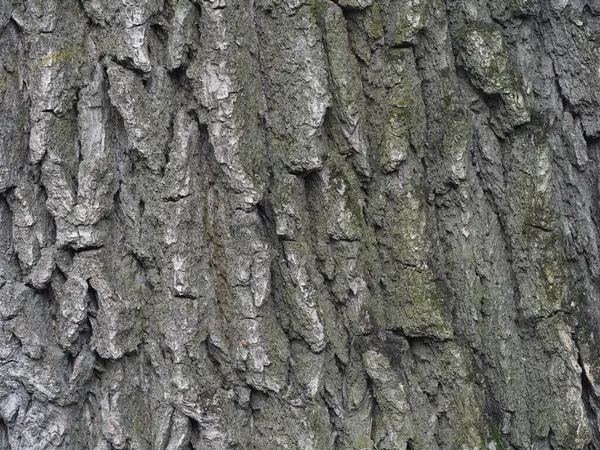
271, 224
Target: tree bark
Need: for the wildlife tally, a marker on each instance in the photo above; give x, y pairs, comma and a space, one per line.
299, 224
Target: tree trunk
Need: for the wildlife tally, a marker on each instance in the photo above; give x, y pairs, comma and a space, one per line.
299, 224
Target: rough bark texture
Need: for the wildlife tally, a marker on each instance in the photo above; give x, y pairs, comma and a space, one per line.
299, 224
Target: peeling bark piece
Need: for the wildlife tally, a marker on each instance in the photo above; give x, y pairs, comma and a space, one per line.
145, 131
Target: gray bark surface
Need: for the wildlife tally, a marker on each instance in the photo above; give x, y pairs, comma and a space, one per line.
299, 224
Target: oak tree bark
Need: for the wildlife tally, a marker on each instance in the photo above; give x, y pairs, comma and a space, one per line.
299, 224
